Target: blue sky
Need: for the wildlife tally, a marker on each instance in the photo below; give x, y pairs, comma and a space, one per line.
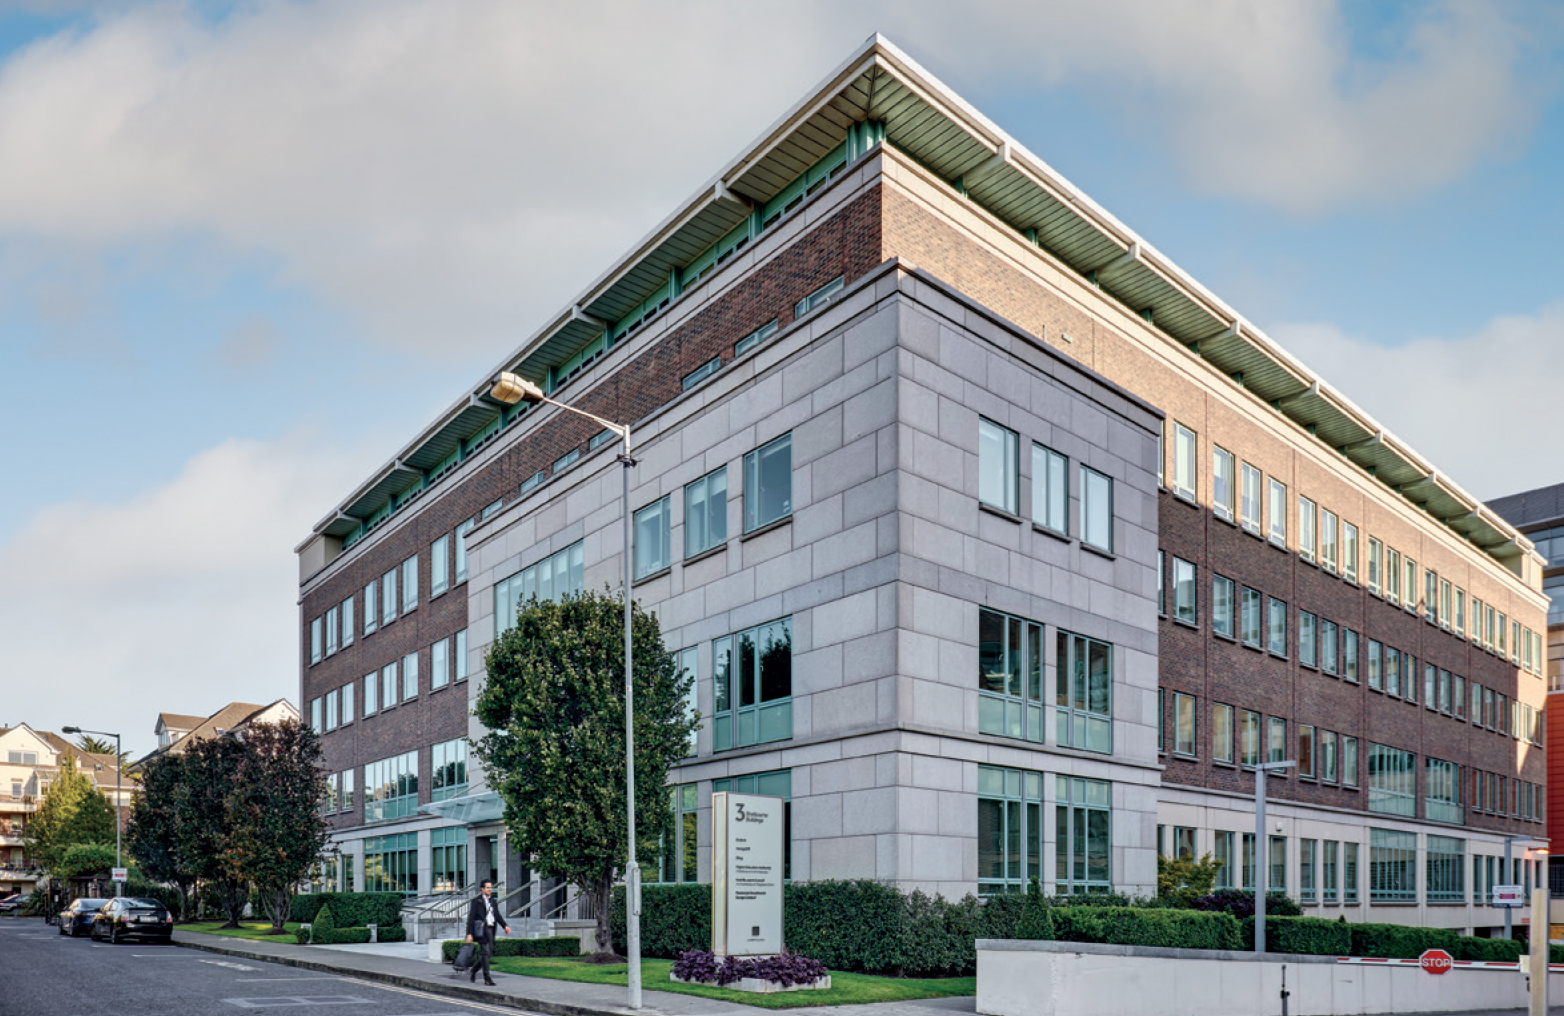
247, 249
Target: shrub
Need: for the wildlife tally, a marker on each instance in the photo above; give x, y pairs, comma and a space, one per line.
1490, 950
1182, 880
674, 918
350, 909
853, 924
786, 969
324, 924
1036, 920
1240, 903
1150, 926
1308, 936
1397, 941
558, 945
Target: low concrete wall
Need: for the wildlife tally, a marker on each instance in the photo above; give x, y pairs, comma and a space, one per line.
1029, 978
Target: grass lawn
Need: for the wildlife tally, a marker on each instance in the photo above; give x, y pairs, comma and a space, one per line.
845, 988
247, 929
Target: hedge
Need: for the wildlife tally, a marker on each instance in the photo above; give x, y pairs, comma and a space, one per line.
1307, 936
559, 945
349, 936
349, 909
1168, 928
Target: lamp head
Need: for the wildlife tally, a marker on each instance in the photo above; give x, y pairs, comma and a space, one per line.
70, 730
513, 388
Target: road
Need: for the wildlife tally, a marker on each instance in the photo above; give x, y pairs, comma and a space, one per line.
47, 974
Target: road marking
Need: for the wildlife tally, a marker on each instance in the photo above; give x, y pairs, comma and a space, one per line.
285, 1000
230, 966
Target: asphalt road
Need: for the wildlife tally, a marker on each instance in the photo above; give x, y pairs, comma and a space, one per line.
43, 973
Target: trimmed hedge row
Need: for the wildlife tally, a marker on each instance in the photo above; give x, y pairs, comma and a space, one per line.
559, 945
349, 909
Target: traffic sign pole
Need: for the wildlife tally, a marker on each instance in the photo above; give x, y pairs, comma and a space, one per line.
1539, 951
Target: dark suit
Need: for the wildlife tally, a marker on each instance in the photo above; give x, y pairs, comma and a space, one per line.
482, 932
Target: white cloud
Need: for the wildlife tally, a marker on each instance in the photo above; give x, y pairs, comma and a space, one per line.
181, 599
1480, 407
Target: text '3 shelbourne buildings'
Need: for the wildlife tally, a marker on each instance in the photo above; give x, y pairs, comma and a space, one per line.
998, 545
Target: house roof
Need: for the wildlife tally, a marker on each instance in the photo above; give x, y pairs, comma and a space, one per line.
178, 721
233, 716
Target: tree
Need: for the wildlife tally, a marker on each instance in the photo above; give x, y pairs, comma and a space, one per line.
204, 822
277, 831
81, 859
101, 746
1184, 879
72, 811
554, 705
153, 834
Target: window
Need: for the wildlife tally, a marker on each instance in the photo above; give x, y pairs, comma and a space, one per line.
533, 482
1050, 489
1222, 606
315, 722
1327, 751
755, 337
1442, 791
1374, 681
1411, 586
688, 661
1278, 864
996, 467
1083, 841
391, 788
1249, 861
752, 679
1250, 616
699, 374
1183, 724
1184, 842
390, 862
371, 692
461, 549
1222, 732
1249, 738
1430, 686
331, 631
410, 584
1446, 608
1330, 655
439, 664
1083, 693
331, 710
1349, 873
1392, 671
1307, 849
1278, 509
347, 792
1373, 565
1251, 499
1458, 695
706, 512
448, 859
1308, 644
565, 461
1222, 493
1446, 869
1184, 462
460, 652
1010, 676
347, 622
1349, 552
777, 783
678, 858
409, 676
1223, 852
1010, 829
1306, 759
1392, 866
347, 703
768, 483
1162, 584
440, 565
1277, 628
448, 769
1330, 874
388, 597
492, 509
1392, 576
819, 296
1349, 655
388, 689
1392, 781
1330, 550
555, 576
652, 550
1430, 597
1183, 591
1306, 523
316, 654
1276, 740
601, 438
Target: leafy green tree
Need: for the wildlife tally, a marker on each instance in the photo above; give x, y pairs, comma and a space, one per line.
101, 746
81, 859
205, 823
72, 811
554, 705
1184, 879
153, 834
277, 831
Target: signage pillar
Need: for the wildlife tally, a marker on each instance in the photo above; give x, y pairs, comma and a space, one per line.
746, 869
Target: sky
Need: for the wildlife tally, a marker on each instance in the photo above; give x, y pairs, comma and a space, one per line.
247, 250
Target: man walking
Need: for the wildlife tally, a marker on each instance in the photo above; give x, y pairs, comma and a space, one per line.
482, 916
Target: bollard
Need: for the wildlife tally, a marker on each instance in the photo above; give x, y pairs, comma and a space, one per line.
307, 926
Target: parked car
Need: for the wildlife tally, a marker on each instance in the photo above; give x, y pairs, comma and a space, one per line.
76, 919
133, 917
11, 902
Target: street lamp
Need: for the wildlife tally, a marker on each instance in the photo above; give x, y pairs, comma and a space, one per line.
510, 389
118, 863
1262, 849
1509, 873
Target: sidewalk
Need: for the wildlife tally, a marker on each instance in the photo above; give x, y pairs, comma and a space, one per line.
393, 964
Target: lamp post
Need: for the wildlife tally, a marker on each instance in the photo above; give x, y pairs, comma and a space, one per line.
1509, 873
1262, 851
118, 764
510, 389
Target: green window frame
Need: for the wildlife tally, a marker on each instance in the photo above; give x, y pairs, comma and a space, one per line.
1445, 863
1083, 693
391, 787
679, 854
1392, 780
391, 864
1083, 847
1442, 791
768, 483
1051, 489
1392, 866
752, 685
448, 769
653, 551
998, 468
1096, 509
1010, 675
448, 859
706, 512
556, 576
1009, 828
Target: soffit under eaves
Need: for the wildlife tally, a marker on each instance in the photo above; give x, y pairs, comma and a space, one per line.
375, 497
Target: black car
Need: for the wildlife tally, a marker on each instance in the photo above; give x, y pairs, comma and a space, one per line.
76, 919
133, 917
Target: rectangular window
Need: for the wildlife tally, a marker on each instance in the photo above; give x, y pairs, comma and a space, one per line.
390, 862
1183, 724
1330, 655
688, 661
448, 769
1349, 655
1458, 695
1223, 853
997, 467
818, 297
1083, 694
410, 584
1349, 552
492, 509
347, 792
1184, 842
371, 692
1392, 866
1083, 840
388, 686
752, 681
1392, 669
388, 599
755, 338
1249, 873
1442, 791
391, 789
1430, 685
1051, 489
1306, 534
1374, 680
315, 720
1222, 606
1308, 642
1330, 874
1330, 550
459, 652
1276, 740
652, 550
768, 483
1327, 751
1306, 758
1392, 576
331, 710
1446, 869
347, 622
448, 859
699, 374
409, 676
1183, 591
679, 857
1307, 849
1010, 829
1222, 732
1184, 462
1278, 859
1410, 587
439, 664
316, 652
706, 512
1249, 738
347, 703
565, 461
461, 549
1278, 512
1392, 781
1349, 873
1445, 688
331, 631
1446, 607
1277, 626
600, 439
1253, 626
440, 565
1222, 481
1373, 565
554, 577
1010, 676
1251, 499
1430, 597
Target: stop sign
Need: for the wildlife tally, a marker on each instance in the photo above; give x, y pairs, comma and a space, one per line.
1435, 961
